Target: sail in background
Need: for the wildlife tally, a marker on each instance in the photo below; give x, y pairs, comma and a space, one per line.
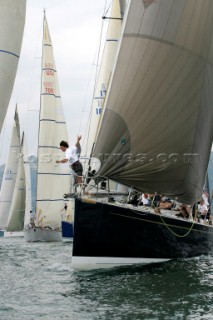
12, 21
157, 122
17, 210
108, 57
10, 173
52, 180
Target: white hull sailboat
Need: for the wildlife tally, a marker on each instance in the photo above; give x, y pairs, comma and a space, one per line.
53, 181
13, 234
155, 135
39, 234
12, 21
17, 209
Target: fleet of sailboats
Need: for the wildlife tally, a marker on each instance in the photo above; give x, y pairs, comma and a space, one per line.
152, 97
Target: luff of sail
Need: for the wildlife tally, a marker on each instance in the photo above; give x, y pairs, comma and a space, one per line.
12, 21
108, 57
17, 210
52, 181
10, 173
156, 131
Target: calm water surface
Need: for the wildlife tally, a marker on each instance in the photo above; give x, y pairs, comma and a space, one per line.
37, 282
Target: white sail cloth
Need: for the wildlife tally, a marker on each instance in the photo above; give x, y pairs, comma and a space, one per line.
156, 131
12, 21
107, 62
17, 210
52, 181
10, 173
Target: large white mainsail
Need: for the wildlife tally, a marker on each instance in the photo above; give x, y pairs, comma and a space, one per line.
10, 173
17, 209
12, 21
52, 181
156, 131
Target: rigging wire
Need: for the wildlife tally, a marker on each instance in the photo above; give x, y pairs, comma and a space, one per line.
86, 138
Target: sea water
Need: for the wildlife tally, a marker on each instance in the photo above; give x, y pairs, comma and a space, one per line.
37, 282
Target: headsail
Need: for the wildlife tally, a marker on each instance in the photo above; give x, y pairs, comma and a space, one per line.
108, 58
52, 181
10, 173
12, 21
17, 210
156, 131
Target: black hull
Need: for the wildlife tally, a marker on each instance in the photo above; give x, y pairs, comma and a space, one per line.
105, 230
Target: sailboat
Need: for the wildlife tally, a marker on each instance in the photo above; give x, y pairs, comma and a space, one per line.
13, 179
12, 21
15, 223
52, 181
155, 136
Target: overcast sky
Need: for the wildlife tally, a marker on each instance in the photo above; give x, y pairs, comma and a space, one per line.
75, 28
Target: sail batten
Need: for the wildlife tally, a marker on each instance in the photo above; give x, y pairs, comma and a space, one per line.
9, 52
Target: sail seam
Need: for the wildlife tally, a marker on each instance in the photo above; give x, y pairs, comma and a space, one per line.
9, 52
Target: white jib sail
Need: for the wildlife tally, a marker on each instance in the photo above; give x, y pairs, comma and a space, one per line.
108, 57
10, 173
17, 209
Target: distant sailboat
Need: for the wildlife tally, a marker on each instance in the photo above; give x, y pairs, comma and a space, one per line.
15, 221
12, 21
155, 135
30, 169
52, 181
11, 172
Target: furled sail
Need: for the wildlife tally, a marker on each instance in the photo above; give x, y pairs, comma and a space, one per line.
156, 132
10, 173
17, 209
52, 181
12, 21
